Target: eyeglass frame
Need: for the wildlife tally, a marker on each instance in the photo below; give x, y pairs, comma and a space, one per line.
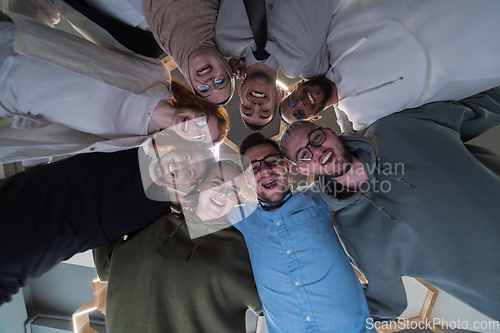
263, 160
210, 88
219, 188
292, 103
309, 143
200, 124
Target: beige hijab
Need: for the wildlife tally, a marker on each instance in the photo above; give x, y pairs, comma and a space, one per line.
182, 26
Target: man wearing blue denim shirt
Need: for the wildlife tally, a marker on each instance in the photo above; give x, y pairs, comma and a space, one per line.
303, 277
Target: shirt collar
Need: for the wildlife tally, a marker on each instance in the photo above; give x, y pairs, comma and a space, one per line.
280, 203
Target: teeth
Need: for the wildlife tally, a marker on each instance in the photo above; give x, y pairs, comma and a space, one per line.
269, 182
185, 126
257, 94
171, 168
327, 156
218, 203
205, 71
311, 100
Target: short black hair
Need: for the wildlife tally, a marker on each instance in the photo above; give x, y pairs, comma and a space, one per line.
256, 139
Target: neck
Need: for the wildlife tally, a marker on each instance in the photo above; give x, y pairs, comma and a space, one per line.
258, 67
162, 116
354, 179
335, 94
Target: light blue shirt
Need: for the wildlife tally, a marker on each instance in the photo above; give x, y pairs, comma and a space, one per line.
304, 280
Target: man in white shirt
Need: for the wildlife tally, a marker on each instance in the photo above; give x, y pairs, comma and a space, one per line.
296, 42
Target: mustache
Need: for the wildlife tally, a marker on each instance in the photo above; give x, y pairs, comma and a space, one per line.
268, 176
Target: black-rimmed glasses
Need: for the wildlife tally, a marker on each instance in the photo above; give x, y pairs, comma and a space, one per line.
270, 161
315, 138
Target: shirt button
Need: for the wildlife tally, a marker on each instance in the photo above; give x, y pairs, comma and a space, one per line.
92, 149
277, 223
308, 318
297, 283
288, 252
270, 6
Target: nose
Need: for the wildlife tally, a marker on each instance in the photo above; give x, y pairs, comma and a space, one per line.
317, 151
222, 193
210, 81
265, 169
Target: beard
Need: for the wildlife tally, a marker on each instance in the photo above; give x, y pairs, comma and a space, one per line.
272, 199
347, 156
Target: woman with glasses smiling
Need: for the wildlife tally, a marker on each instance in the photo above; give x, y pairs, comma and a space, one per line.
185, 30
57, 102
186, 272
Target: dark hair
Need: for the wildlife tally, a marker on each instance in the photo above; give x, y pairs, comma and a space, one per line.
256, 139
191, 198
183, 97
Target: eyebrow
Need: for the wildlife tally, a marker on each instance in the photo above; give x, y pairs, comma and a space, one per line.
309, 136
260, 117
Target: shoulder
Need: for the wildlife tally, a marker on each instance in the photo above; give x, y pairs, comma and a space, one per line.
241, 212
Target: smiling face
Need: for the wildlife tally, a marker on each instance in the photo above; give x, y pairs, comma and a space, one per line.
205, 69
308, 99
178, 167
330, 159
270, 183
189, 124
219, 192
258, 97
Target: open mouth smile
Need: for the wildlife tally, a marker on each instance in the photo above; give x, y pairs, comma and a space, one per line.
257, 94
218, 203
326, 158
270, 183
204, 71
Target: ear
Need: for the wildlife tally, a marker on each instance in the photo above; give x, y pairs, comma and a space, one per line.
239, 89
278, 95
316, 117
302, 171
250, 183
287, 166
331, 131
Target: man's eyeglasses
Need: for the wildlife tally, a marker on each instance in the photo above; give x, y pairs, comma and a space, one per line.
231, 193
271, 161
199, 135
299, 112
205, 91
316, 139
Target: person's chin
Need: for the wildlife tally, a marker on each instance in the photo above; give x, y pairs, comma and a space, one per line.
272, 196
